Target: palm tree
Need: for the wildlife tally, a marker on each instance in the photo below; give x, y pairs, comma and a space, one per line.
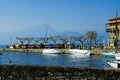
91, 37
95, 36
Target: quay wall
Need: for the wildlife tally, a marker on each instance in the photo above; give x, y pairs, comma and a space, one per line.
97, 52
28, 50
22, 50
25, 72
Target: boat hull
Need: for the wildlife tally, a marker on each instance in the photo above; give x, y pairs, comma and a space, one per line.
82, 53
51, 51
114, 64
112, 55
109, 55
117, 56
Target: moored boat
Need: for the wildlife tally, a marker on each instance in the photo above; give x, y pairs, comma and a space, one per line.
81, 53
114, 64
109, 54
51, 51
117, 56
112, 55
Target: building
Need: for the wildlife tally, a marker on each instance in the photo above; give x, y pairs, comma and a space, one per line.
113, 27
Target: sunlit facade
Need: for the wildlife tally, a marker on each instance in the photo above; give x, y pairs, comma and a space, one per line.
111, 28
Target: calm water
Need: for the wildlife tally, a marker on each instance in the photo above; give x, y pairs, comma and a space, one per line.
52, 60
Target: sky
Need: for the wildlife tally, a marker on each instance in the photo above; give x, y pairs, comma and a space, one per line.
62, 15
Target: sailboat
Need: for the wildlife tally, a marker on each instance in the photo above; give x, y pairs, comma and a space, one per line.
50, 50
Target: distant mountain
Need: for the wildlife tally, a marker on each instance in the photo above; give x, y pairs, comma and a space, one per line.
39, 31
33, 31
68, 33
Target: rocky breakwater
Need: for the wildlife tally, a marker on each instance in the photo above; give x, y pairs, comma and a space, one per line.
22, 72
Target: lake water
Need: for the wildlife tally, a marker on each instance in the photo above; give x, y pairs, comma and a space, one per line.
65, 60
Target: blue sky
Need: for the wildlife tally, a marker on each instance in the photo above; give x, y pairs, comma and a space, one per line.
63, 15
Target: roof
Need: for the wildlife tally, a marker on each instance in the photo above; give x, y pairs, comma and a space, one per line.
112, 23
118, 18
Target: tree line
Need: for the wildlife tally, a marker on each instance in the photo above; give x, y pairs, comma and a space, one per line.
91, 39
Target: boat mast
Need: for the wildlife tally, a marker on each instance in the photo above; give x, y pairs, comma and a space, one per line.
46, 34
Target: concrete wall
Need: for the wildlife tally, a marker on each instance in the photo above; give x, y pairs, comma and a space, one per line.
40, 50
17, 72
23, 50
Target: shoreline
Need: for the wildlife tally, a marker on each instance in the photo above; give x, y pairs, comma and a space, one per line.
28, 50
64, 51
97, 52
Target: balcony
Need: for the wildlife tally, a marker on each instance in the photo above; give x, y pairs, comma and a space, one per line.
111, 30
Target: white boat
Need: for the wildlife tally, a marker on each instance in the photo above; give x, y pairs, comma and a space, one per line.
79, 52
114, 64
11, 47
51, 51
117, 56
